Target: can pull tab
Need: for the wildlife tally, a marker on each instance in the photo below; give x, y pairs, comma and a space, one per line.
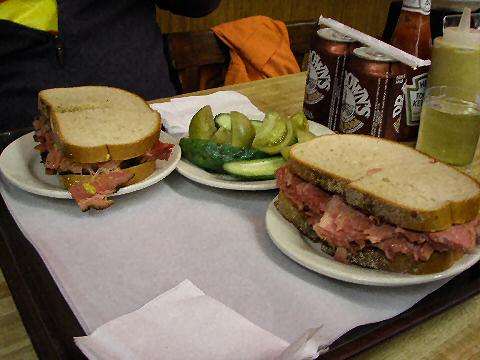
60, 50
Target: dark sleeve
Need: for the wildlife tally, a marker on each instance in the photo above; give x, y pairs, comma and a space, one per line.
190, 8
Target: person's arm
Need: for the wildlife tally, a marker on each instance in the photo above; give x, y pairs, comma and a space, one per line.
190, 8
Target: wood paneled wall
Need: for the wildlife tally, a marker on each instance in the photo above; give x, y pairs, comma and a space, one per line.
365, 15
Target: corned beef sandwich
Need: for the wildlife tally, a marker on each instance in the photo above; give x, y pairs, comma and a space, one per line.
98, 139
379, 204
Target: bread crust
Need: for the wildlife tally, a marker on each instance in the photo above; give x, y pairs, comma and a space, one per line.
368, 257
140, 172
409, 218
45, 106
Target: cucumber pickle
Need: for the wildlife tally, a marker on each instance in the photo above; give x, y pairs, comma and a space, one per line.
202, 125
261, 169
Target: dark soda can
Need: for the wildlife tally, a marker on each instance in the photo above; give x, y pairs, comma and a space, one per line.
372, 100
329, 53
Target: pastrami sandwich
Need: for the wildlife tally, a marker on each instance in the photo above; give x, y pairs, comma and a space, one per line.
98, 139
379, 204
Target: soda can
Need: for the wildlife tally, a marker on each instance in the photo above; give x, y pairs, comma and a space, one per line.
329, 53
372, 100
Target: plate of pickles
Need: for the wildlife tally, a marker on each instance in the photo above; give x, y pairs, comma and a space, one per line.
231, 151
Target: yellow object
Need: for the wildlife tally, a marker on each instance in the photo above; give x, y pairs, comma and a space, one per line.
37, 14
89, 188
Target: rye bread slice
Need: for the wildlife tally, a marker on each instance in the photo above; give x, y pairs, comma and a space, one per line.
369, 257
98, 135
389, 180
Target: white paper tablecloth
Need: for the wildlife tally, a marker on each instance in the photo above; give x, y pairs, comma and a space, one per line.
108, 263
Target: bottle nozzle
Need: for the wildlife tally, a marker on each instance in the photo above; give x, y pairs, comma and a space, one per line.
465, 20
462, 35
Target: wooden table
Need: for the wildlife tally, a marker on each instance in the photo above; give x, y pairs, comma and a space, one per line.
51, 324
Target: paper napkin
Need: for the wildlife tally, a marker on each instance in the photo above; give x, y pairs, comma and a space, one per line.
177, 113
184, 323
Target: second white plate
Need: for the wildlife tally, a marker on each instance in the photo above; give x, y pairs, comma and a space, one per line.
223, 181
292, 243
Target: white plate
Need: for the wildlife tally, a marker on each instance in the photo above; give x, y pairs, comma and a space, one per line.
223, 181
20, 164
293, 244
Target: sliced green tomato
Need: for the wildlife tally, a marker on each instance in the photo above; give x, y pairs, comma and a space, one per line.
272, 131
305, 135
243, 131
222, 136
288, 139
299, 121
202, 125
254, 169
223, 120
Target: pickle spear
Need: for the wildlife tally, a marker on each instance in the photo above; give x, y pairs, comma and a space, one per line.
202, 125
222, 136
243, 131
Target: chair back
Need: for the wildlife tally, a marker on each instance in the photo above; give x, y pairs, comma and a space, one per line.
199, 60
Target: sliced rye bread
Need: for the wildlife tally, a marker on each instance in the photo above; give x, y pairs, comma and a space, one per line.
369, 257
98, 135
73, 99
389, 180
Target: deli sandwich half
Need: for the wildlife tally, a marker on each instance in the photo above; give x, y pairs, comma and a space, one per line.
379, 204
98, 139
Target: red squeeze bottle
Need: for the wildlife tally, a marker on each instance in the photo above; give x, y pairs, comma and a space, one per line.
412, 34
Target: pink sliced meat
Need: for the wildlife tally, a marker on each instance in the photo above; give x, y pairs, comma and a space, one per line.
343, 226
458, 237
379, 233
308, 197
54, 159
346, 228
412, 236
392, 247
104, 184
159, 151
67, 165
42, 147
109, 183
341, 255
96, 201
49, 140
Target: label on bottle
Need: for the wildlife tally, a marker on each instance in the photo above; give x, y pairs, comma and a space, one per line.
418, 6
414, 93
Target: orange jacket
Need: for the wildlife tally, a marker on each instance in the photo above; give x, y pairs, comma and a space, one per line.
259, 48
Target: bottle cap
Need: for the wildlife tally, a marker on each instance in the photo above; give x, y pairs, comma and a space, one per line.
463, 35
